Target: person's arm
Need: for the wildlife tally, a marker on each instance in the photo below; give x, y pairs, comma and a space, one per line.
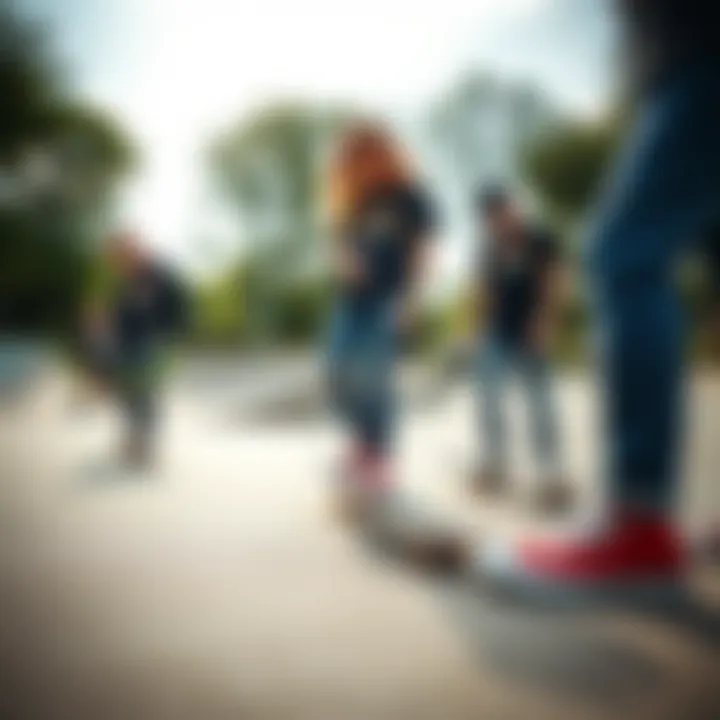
347, 266
419, 262
175, 308
421, 218
481, 297
554, 288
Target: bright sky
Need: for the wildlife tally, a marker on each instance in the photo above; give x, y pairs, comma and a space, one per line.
177, 70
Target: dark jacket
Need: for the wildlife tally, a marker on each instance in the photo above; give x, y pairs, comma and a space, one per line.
662, 36
151, 308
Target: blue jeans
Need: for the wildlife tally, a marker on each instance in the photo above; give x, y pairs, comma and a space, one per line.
497, 360
137, 377
663, 195
362, 358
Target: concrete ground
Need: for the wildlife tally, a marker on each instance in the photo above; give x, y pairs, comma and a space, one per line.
222, 587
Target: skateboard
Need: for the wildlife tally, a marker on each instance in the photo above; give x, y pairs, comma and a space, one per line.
554, 497
403, 529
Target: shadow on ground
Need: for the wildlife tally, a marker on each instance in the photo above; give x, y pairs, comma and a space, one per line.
661, 660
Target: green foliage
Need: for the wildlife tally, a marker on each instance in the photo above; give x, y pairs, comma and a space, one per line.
302, 310
566, 165
278, 140
220, 312
91, 150
61, 161
565, 168
267, 169
572, 344
28, 78
41, 276
238, 308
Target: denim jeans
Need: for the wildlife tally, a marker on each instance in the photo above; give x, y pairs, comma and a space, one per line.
498, 359
139, 404
663, 195
362, 356
137, 378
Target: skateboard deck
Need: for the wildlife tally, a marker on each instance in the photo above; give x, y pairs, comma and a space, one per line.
401, 527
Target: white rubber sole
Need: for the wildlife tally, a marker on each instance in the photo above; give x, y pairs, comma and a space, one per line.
494, 572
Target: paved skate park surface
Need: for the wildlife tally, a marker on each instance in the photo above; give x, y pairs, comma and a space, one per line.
222, 587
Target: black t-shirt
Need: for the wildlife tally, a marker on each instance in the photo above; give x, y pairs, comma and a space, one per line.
385, 232
514, 282
150, 306
710, 253
661, 35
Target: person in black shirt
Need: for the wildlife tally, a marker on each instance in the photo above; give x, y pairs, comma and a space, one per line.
519, 289
144, 309
380, 221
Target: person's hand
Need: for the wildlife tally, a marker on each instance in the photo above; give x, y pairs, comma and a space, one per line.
351, 268
540, 335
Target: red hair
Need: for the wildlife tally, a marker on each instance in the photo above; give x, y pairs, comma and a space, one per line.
368, 158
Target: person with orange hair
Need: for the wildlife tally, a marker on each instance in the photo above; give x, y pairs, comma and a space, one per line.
380, 221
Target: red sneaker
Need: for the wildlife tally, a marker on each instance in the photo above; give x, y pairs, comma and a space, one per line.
350, 465
360, 490
375, 473
637, 556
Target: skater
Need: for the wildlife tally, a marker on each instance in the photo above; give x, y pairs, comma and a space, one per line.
381, 223
664, 195
519, 293
145, 309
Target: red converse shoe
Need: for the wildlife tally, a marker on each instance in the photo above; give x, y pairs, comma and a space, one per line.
637, 556
350, 465
365, 480
375, 473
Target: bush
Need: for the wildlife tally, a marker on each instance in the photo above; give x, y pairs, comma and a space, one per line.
301, 311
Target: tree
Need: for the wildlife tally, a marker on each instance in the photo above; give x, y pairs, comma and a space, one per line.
477, 131
220, 309
481, 124
28, 80
565, 166
61, 162
268, 169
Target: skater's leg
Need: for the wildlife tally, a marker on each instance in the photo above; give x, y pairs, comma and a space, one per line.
539, 383
138, 390
345, 379
376, 393
493, 367
664, 196
552, 493
341, 370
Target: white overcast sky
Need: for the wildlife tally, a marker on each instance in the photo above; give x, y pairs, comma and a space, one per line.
176, 70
